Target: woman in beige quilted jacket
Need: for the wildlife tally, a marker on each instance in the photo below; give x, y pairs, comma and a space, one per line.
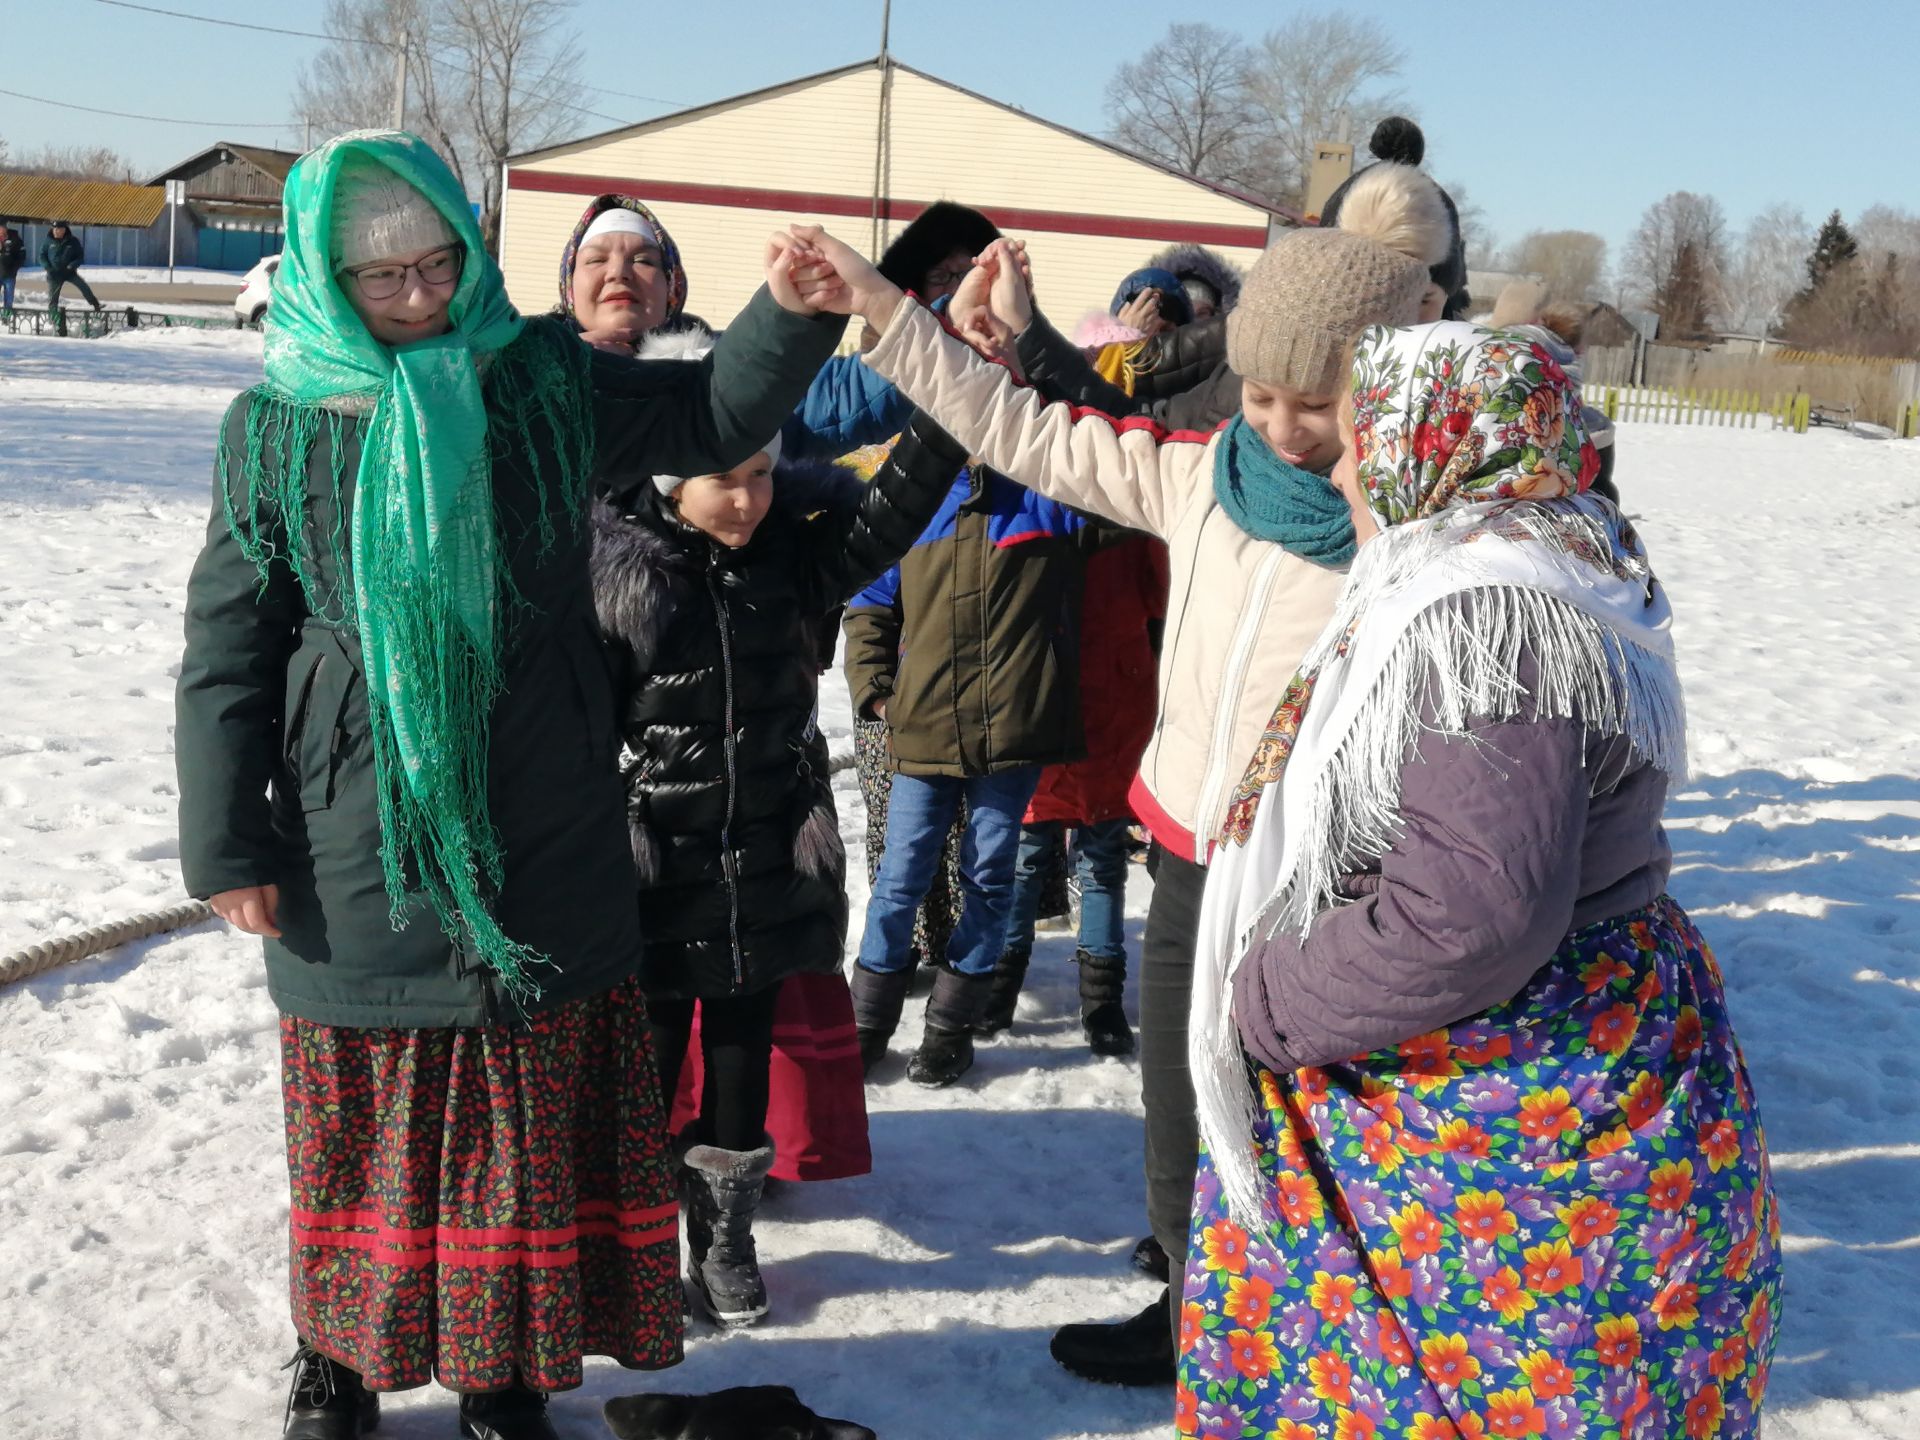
1259, 544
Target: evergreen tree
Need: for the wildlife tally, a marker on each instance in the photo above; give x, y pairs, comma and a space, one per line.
1834, 245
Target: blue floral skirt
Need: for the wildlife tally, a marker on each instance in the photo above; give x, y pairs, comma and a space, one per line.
1553, 1219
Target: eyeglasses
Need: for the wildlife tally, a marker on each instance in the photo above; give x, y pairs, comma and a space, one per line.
383, 281
941, 279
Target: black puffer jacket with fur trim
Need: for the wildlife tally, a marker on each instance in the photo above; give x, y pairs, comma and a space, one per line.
716, 677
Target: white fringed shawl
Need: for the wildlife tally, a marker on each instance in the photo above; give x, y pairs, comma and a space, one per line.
1433, 620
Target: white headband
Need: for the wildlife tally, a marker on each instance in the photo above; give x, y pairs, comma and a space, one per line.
620, 221
667, 484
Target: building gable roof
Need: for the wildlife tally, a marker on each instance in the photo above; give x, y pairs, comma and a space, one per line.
681, 117
272, 163
46, 198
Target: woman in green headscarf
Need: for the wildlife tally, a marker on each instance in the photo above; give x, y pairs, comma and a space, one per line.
396, 757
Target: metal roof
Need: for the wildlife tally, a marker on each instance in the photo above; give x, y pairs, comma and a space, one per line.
80, 202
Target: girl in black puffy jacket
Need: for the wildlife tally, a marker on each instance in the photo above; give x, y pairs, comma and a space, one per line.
711, 591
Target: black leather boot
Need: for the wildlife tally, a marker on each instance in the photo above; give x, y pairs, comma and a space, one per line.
514, 1414
327, 1401
946, 1046
1138, 1351
1103, 980
1003, 994
721, 1192
877, 1002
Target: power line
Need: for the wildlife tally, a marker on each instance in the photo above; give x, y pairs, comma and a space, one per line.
154, 119
242, 24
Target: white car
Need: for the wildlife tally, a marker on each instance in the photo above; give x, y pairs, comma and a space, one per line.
256, 291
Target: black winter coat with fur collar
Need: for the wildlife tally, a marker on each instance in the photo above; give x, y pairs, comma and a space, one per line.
742, 873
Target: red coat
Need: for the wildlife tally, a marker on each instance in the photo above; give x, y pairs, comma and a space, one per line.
1126, 589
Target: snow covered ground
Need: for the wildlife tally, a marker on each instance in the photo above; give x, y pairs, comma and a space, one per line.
142, 1200
139, 275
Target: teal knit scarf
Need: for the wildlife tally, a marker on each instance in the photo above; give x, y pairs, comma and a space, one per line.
1271, 500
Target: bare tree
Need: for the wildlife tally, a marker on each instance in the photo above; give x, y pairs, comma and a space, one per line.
511, 62
1677, 258
1320, 76
76, 162
1769, 269
1572, 264
485, 79
1184, 102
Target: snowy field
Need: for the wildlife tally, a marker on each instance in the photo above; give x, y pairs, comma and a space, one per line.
142, 1188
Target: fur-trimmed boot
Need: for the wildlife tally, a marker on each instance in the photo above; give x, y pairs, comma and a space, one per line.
877, 1002
1103, 980
720, 1191
1003, 994
327, 1401
946, 1046
515, 1413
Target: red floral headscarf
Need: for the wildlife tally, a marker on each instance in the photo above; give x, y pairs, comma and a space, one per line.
1451, 414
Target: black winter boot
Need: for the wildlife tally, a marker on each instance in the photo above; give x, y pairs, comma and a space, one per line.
720, 1191
327, 1400
1132, 1352
877, 1002
514, 1414
1003, 994
1103, 981
946, 1046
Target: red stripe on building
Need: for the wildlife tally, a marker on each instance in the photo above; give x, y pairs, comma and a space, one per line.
744, 197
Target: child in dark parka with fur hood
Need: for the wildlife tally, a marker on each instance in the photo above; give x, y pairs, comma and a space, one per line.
709, 591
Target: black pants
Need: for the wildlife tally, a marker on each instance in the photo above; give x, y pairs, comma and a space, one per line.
736, 1044
53, 290
1166, 1084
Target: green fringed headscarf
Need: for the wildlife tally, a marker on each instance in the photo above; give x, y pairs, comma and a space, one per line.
428, 585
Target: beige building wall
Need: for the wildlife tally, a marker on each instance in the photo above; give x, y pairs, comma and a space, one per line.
818, 139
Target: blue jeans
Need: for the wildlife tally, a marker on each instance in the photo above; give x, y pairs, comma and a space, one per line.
6, 293
1100, 862
919, 814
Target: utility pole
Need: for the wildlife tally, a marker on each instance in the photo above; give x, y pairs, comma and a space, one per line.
881, 138
400, 82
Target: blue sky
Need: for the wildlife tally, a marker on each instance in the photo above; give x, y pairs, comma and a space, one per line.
1552, 116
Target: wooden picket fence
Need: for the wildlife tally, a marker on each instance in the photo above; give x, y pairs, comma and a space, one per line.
1675, 405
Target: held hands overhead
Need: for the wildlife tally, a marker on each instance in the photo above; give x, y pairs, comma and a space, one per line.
811, 271
994, 304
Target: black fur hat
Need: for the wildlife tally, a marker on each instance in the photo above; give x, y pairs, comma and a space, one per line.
939, 230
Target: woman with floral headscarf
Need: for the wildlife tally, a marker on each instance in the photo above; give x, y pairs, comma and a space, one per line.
396, 753
1482, 1155
621, 279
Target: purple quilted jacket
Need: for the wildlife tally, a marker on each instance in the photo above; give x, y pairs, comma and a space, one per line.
1510, 839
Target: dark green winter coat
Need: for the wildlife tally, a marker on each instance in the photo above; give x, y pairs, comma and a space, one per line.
972, 640
741, 869
271, 735
63, 256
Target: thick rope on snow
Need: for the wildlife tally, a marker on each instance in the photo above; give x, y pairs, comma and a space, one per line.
36, 959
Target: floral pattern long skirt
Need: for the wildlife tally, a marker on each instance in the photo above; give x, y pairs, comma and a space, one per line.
940, 911
483, 1205
1554, 1219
